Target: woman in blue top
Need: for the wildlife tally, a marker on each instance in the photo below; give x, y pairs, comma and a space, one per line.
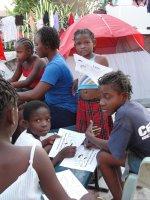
56, 82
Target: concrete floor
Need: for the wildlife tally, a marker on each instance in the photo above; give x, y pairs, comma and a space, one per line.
140, 194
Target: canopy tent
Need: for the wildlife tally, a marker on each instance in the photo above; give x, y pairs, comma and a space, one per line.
112, 35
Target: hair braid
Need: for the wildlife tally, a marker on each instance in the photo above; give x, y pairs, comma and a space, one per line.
120, 81
26, 42
84, 31
8, 95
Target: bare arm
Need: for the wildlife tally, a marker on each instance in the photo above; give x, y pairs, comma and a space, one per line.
102, 60
48, 142
100, 143
67, 152
48, 180
38, 67
37, 93
17, 74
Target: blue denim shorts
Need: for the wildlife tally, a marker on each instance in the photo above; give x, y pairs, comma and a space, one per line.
132, 164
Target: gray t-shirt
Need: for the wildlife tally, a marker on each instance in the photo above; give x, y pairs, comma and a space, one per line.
131, 131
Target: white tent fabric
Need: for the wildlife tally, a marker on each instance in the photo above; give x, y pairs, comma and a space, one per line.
134, 64
137, 65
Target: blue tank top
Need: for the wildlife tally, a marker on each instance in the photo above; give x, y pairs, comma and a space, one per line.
85, 82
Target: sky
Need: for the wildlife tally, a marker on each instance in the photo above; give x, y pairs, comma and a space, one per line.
5, 3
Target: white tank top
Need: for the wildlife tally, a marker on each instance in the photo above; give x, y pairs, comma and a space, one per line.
26, 187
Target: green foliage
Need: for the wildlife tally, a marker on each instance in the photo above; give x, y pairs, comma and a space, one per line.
63, 8
24, 6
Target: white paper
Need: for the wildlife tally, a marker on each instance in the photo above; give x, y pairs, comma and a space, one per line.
84, 159
90, 68
68, 138
71, 185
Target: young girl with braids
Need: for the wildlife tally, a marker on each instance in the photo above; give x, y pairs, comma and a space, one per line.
28, 65
25, 172
89, 96
56, 82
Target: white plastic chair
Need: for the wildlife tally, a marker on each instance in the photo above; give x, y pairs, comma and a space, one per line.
141, 179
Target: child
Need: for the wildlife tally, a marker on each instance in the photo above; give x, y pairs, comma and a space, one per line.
28, 65
89, 97
56, 82
25, 172
130, 137
37, 118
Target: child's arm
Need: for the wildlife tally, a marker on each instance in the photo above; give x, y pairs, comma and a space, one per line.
17, 74
102, 60
67, 152
48, 142
100, 143
37, 68
47, 148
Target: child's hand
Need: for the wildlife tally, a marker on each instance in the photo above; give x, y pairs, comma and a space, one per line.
88, 144
51, 139
96, 130
89, 130
93, 130
68, 152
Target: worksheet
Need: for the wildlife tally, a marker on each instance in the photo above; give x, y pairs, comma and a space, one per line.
71, 185
67, 138
84, 159
90, 68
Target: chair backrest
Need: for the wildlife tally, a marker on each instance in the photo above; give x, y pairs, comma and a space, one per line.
144, 173
141, 179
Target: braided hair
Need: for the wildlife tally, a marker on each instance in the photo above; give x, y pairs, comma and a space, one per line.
8, 95
119, 80
26, 42
84, 31
49, 37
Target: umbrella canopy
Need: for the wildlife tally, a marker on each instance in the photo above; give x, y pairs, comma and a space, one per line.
112, 35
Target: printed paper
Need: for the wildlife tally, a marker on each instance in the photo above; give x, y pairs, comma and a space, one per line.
84, 159
90, 68
71, 185
67, 138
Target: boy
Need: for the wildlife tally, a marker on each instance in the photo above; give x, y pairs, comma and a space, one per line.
38, 122
129, 139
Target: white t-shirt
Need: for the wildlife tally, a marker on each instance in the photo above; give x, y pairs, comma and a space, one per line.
27, 139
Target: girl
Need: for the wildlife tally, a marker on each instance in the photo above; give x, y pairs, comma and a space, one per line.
89, 96
28, 65
56, 81
24, 171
